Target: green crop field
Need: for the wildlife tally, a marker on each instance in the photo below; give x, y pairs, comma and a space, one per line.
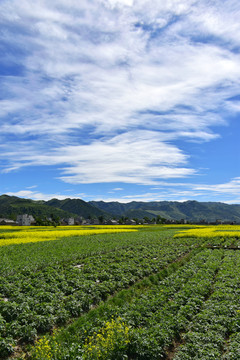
142, 292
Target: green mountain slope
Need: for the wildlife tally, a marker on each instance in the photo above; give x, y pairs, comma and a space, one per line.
11, 206
78, 207
189, 210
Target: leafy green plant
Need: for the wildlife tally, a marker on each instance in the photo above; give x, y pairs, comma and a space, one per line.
6, 346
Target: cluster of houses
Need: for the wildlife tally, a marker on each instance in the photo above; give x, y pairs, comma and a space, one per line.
27, 220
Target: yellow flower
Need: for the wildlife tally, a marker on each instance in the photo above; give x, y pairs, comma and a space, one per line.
114, 335
36, 234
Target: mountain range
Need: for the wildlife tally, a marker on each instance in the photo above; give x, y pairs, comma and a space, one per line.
11, 206
172, 210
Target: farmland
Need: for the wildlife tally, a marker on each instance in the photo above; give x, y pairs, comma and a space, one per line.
134, 292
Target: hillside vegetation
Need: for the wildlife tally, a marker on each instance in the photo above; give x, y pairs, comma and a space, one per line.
192, 211
77, 207
11, 206
189, 210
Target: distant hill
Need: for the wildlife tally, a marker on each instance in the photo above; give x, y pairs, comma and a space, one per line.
189, 210
11, 206
78, 207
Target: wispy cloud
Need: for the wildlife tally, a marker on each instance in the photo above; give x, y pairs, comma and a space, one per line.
35, 195
133, 157
176, 191
228, 192
32, 187
104, 89
232, 187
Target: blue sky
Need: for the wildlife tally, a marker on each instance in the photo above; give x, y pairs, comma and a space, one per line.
120, 100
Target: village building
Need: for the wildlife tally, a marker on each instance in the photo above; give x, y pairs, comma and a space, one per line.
183, 221
130, 222
68, 221
86, 222
95, 222
112, 222
25, 220
79, 220
4, 221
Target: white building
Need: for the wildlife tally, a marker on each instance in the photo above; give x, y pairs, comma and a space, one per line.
70, 221
25, 220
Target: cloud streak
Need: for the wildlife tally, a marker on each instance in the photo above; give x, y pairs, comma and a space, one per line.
229, 192
106, 90
35, 195
167, 191
138, 157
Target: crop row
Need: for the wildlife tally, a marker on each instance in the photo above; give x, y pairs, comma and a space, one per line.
39, 255
33, 302
183, 295
215, 331
152, 317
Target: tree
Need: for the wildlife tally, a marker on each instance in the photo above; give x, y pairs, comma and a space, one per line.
101, 219
55, 220
146, 219
123, 220
160, 220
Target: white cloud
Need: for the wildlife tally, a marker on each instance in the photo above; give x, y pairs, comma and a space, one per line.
34, 195
92, 71
120, 2
220, 20
229, 193
232, 187
136, 157
169, 191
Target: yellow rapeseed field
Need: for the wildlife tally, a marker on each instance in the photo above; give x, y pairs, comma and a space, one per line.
211, 231
20, 234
